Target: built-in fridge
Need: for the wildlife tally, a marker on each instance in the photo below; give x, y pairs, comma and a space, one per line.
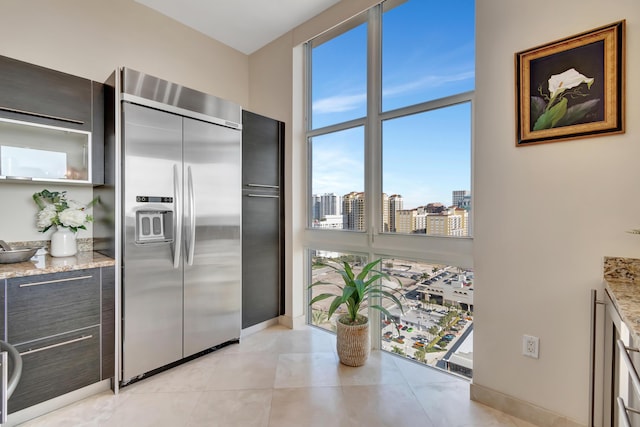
181, 223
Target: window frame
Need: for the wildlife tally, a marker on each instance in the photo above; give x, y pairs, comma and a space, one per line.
372, 243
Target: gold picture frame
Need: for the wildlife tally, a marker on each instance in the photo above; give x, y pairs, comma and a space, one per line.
571, 88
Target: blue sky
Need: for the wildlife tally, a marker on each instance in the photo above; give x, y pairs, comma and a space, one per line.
428, 53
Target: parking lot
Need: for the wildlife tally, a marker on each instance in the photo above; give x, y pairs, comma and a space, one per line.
414, 332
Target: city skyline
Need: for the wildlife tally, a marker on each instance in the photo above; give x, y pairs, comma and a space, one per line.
405, 206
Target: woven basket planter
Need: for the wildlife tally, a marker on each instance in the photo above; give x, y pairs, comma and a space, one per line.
353, 343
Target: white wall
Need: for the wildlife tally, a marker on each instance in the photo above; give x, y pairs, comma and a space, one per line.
91, 38
545, 215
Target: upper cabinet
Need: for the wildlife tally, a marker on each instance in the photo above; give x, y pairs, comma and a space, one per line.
51, 125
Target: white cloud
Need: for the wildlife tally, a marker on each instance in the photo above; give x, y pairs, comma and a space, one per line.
428, 82
343, 103
339, 103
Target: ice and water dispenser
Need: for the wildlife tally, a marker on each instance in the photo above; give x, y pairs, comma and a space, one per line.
154, 223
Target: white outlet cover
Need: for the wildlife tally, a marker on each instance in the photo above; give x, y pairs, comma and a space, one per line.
530, 346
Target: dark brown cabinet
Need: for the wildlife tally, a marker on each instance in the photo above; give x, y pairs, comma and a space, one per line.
50, 304
57, 365
63, 326
41, 95
262, 225
52, 102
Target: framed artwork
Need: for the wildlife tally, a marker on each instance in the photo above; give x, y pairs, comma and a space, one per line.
571, 88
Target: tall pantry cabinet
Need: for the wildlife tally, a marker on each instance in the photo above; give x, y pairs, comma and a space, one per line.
262, 219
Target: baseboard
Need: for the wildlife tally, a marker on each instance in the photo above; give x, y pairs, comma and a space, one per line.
519, 408
292, 322
34, 411
258, 327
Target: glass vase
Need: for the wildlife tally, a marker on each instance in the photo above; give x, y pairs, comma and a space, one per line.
63, 243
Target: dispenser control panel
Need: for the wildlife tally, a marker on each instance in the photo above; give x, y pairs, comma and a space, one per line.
154, 221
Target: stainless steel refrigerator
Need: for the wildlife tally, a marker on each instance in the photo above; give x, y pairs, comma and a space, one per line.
181, 245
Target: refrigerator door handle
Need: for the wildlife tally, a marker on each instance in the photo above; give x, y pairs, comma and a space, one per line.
177, 241
192, 218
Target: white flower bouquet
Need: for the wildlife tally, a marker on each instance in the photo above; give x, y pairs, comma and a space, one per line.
55, 209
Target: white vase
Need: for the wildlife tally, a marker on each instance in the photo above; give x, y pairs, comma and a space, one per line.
63, 243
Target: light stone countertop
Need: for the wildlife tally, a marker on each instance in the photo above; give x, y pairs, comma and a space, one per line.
622, 283
44, 264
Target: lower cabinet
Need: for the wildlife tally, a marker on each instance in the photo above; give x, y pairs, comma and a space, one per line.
57, 365
62, 324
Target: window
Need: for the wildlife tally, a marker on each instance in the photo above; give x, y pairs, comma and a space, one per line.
338, 180
426, 167
327, 282
339, 75
427, 51
436, 327
390, 101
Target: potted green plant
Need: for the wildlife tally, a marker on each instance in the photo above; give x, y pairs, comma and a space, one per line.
352, 328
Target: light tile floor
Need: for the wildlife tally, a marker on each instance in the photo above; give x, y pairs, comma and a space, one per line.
279, 378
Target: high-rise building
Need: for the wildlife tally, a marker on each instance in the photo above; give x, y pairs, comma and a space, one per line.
386, 226
452, 222
405, 221
458, 197
353, 211
326, 204
395, 205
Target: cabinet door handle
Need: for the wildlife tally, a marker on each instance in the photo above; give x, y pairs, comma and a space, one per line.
262, 186
264, 196
26, 285
19, 178
49, 347
44, 116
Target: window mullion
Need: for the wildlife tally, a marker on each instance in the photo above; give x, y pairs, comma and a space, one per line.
373, 129
373, 148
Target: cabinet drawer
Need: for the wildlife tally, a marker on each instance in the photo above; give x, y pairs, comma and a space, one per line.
51, 304
57, 365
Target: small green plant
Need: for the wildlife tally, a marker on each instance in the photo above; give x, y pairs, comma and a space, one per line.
358, 289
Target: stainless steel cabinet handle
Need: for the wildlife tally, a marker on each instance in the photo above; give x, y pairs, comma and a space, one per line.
49, 347
18, 178
44, 116
192, 218
264, 196
69, 279
263, 186
177, 203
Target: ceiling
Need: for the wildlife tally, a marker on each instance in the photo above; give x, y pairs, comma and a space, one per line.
245, 25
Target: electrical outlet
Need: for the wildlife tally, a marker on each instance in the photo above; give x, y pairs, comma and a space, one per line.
530, 346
